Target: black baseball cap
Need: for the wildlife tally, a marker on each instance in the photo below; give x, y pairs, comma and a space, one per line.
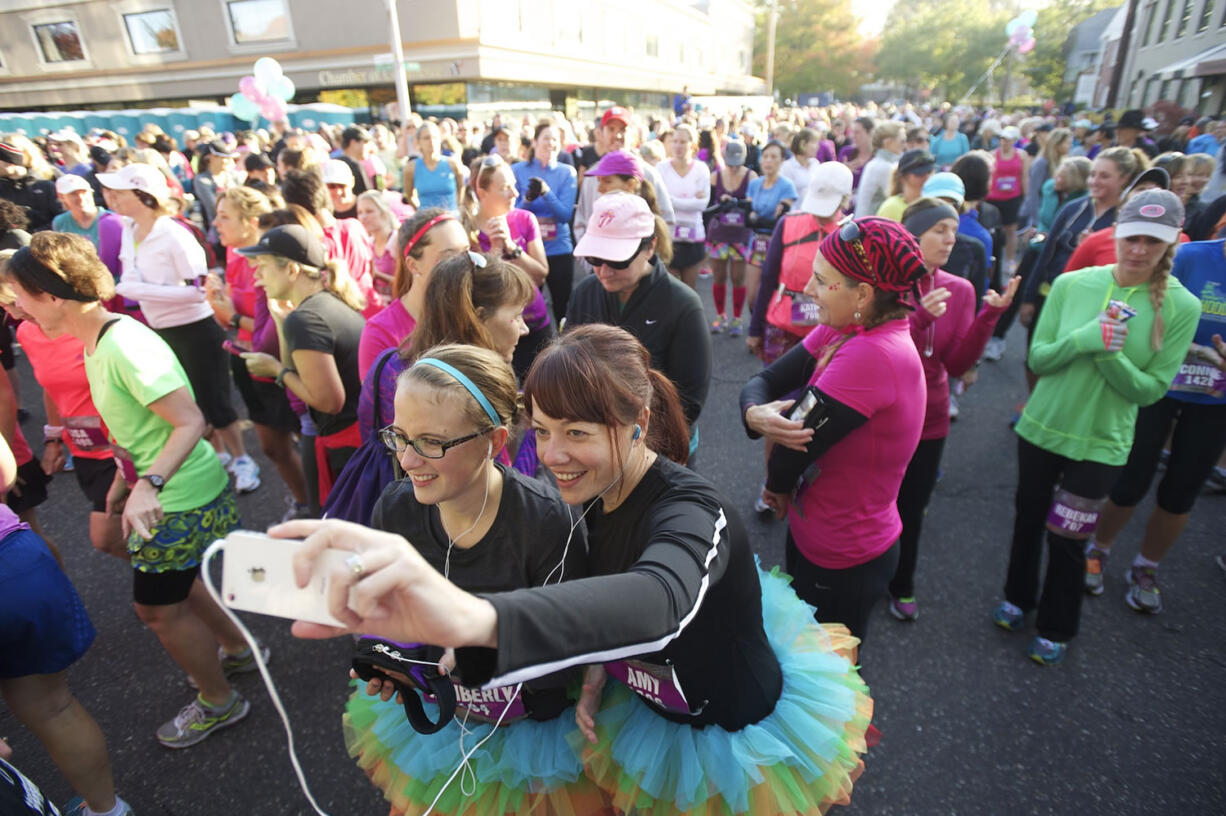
1132, 119
256, 161
291, 241
918, 161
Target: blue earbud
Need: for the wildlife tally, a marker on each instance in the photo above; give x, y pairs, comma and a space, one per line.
638, 431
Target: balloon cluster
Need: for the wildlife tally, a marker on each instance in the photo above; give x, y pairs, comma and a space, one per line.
1020, 31
264, 92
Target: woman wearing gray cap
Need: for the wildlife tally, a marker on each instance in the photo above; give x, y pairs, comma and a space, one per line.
1110, 339
728, 236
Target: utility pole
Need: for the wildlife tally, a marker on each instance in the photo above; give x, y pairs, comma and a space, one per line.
770, 49
402, 79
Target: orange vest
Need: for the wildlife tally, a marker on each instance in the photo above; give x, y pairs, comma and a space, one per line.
801, 234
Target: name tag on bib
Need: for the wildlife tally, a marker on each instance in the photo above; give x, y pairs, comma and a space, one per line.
804, 311
1196, 376
549, 229
681, 233
126, 466
85, 432
760, 243
656, 684
736, 218
487, 705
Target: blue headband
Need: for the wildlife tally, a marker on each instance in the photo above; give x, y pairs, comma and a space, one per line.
467, 383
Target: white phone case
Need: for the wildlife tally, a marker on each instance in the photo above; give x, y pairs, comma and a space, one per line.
258, 576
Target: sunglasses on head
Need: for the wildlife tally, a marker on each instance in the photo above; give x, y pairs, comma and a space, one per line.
620, 265
850, 232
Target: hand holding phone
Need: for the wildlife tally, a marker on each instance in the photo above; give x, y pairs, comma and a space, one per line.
237, 349
258, 576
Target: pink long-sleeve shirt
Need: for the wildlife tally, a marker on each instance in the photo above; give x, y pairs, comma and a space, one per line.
950, 345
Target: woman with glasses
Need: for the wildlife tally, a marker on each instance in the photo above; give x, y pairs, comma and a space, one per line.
841, 448
478, 300
726, 696
464, 510
495, 225
319, 348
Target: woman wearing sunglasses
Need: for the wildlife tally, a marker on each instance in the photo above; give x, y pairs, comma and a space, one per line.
630, 287
727, 698
465, 511
841, 449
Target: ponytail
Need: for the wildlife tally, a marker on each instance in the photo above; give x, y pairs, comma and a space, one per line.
1157, 294
337, 281
667, 433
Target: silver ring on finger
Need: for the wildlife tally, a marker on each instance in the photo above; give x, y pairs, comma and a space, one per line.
355, 566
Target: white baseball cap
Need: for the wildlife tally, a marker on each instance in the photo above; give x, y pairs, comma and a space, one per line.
70, 183
336, 171
618, 224
829, 184
143, 177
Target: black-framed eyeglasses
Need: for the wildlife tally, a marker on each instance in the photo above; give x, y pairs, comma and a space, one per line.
620, 265
850, 232
397, 442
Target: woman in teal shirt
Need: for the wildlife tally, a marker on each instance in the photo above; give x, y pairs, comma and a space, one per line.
950, 145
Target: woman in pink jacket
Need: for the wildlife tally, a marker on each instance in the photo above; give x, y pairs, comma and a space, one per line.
950, 338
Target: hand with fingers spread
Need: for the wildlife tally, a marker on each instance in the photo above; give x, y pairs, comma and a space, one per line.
769, 421
1002, 301
396, 594
935, 301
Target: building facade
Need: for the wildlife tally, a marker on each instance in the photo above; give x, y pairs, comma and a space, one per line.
1176, 52
460, 56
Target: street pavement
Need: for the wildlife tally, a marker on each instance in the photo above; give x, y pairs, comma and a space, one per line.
1134, 721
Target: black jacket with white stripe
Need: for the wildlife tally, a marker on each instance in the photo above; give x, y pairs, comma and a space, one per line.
677, 586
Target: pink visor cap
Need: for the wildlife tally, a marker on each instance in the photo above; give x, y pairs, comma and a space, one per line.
619, 223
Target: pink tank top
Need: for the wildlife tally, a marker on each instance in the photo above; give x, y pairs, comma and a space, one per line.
1007, 177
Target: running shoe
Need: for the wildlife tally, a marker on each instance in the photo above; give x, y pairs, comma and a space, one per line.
762, 508
1143, 594
296, 511
1008, 617
226, 460
953, 407
1217, 480
1164, 456
69, 465
196, 721
717, 325
905, 609
246, 474
1048, 652
995, 350
234, 665
76, 807
705, 272
735, 327
1096, 559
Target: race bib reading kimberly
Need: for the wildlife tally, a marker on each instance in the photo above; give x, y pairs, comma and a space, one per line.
488, 705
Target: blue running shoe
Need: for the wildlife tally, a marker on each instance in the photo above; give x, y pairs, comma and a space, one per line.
1008, 617
1048, 652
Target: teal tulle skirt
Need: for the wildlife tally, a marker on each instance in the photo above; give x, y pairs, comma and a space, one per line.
802, 758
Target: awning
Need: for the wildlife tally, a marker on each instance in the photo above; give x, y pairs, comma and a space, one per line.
1207, 63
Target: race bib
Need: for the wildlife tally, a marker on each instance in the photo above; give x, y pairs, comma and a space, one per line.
760, 243
804, 311
1196, 376
656, 684
86, 433
126, 466
682, 233
736, 218
1006, 185
549, 229
487, 705
1074, 517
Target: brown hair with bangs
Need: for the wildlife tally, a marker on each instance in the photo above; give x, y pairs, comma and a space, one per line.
460, 296
602, 374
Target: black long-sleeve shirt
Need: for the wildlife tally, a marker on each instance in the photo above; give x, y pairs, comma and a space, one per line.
678, 587
667, 317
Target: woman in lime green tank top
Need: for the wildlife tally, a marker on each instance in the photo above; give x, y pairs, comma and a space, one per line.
1109, 339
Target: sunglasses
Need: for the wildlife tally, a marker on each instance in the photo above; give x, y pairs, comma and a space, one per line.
850, 232
620, 265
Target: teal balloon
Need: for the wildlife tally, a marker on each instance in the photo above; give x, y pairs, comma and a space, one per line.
1029, 17
243, 108
282, 89
267, 70
1012, 26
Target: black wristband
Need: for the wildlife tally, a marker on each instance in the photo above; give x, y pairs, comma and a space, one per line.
234, 321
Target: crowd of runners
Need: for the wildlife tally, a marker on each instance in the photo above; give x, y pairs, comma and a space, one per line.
374, 303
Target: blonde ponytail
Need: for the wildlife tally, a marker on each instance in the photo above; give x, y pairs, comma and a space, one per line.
335, 280
1157, 295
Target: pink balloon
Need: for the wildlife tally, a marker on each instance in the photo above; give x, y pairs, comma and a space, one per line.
273, 109
1026, 47
251, 88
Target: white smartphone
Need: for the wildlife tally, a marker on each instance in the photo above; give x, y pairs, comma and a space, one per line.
257, 575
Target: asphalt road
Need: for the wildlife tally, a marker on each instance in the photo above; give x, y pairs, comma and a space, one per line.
1134, 721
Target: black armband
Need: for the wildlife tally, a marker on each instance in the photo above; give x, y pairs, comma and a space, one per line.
830, 420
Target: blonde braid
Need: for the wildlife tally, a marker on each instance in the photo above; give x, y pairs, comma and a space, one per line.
1157, 294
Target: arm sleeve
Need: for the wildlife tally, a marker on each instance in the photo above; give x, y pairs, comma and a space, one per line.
663, 200
780, 377
139, 290
264, 338
689, 361
1145, 386
206, 194
562, 200
970, 339
640, 611
687, 205
836, 422
1049, 350
771, 268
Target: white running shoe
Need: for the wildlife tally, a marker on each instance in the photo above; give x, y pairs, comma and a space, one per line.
953, 406
995, 350
246, 474
226, 460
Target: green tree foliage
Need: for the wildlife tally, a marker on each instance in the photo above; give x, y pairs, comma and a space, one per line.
942, 45
818, 47
1044, 66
